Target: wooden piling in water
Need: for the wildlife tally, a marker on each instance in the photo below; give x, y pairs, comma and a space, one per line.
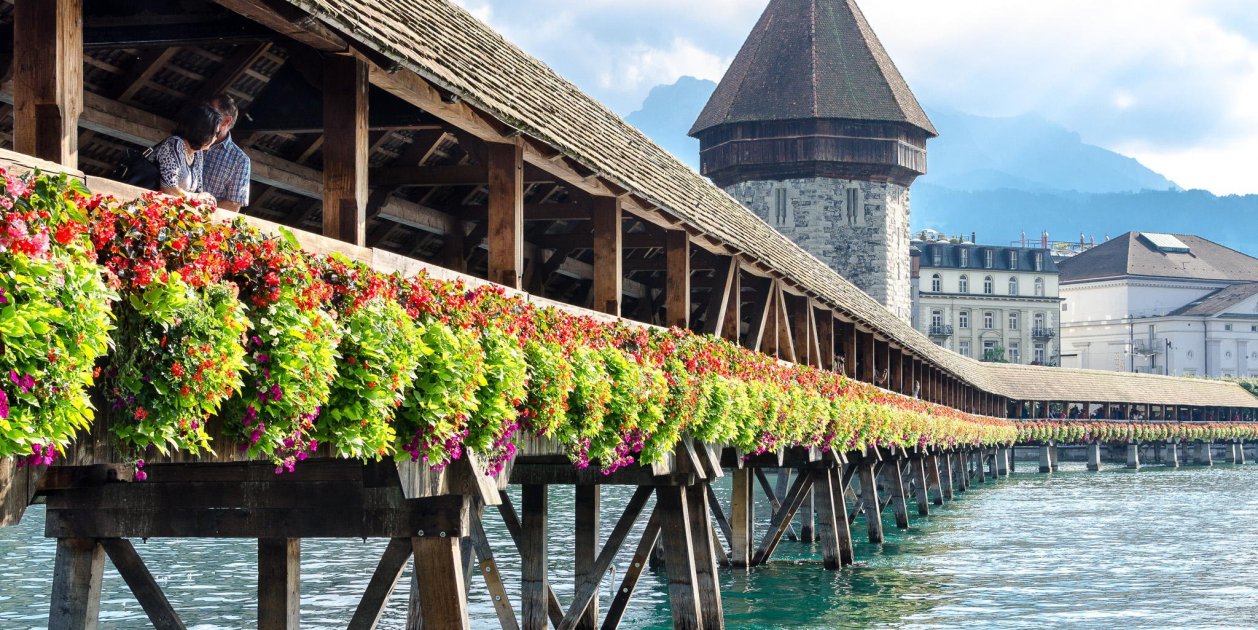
946, 485
893, 472
742, 518
1238, 452
1204, 453
933, 470
869, 497
1133, 456
1002, 461
1171, 457
920, 484
1046, 458
1094, 456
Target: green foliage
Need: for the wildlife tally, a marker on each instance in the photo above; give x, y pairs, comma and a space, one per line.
450, 371
995, 355
380, 351
179, 359
551, 380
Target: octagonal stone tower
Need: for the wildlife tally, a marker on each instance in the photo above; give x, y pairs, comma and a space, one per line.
814, 129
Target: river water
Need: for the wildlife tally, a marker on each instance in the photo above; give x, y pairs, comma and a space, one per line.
1151, 549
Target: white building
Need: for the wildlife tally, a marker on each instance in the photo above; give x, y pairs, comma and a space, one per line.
1163, 304
979, 300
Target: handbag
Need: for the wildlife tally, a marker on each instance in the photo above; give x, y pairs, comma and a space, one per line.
138, 169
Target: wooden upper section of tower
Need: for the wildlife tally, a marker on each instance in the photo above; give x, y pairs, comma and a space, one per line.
812, 93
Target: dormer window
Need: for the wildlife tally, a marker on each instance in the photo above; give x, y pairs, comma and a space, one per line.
1013, 259
1039, 261
987, 258
937, 255
965, 257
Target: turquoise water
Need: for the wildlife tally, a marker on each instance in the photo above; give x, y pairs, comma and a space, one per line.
1154, 549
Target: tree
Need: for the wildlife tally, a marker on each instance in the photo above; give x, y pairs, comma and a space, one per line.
995, 355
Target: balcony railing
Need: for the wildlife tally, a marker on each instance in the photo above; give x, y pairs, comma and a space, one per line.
940, 331
1043, 333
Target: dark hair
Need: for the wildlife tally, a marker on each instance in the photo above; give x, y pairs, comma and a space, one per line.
200, 126
226, 105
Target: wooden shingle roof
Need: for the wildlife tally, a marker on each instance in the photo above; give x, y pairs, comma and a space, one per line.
809, 59
448, 47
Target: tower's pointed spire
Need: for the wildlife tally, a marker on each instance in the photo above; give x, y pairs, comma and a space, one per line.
812, 59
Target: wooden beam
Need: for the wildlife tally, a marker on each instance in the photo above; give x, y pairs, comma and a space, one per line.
679, 557
279, 583
345, 149
48, 79
442, 594
588, 513
76, 584
506, 214
620, 603
823, 324
608, 255
533, 553
732, 318
289, 21
142, 70
138, 578
385, 578
235, 66
677, 279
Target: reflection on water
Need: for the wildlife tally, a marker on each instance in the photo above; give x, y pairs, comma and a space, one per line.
1158, 548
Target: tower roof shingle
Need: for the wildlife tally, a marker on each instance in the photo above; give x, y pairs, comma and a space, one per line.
809, 59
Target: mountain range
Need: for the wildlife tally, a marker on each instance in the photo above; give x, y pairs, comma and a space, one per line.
1001, 177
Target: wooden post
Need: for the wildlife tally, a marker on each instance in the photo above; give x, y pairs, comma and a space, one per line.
711, 612
48, 79
439, 567
1172, 453
1002, 460
1239, 460
851, 338
1052, 457
588, 501
894, 473
825, 338
383, 581
145, 588
920, 485
533, 556
506, 213
76, 583
742, 518
677, 279
980, 470
279, 583
947, 483
608, 255
1133, 456
1205, 453
868, 357
1046, 458
679, 560
993, 470
829, 523
1094, 456
345, 150
873, 507
932, 470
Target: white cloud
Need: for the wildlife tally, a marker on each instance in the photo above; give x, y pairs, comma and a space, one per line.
1175, 82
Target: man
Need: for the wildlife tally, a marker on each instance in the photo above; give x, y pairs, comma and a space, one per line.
227, 168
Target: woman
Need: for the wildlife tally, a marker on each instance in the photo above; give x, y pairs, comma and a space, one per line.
181, 157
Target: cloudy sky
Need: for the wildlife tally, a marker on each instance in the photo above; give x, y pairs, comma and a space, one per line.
1173, 83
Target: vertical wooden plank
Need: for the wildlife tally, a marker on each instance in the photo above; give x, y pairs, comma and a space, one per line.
742, 518
48, 79
588, 500
711, 611
732, 321
608, 254
842, 520
827, 522
867, 358
534, 557
802, 331
279, 583
76, 582
920, 485
873, 507
439, 567
677, 278
824, 324
345, 124
506, 213
142, 584
894, 471
679, 560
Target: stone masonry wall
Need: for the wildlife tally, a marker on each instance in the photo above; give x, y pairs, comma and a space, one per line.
866, 242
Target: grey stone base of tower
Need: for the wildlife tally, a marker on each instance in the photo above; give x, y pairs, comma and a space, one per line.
860, 229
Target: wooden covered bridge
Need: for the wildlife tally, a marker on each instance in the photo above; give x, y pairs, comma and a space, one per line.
410, 136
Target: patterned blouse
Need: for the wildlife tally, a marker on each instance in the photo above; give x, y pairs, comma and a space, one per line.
176, 172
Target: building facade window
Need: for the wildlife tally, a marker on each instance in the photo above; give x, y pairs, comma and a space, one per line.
963, 319
1039, 287
1227, 327
936, 318
989, 345
1013, 286
987, 258
1040, 355
989, 286
1013, 259
1013, 320
936, 283
781, 208
1039, 261
1039, 321
963, 284
963, 347
965, 257
936, 255
989, 320
1015, 353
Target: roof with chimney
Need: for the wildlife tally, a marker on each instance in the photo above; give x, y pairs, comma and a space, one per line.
1152, 254
808, 59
